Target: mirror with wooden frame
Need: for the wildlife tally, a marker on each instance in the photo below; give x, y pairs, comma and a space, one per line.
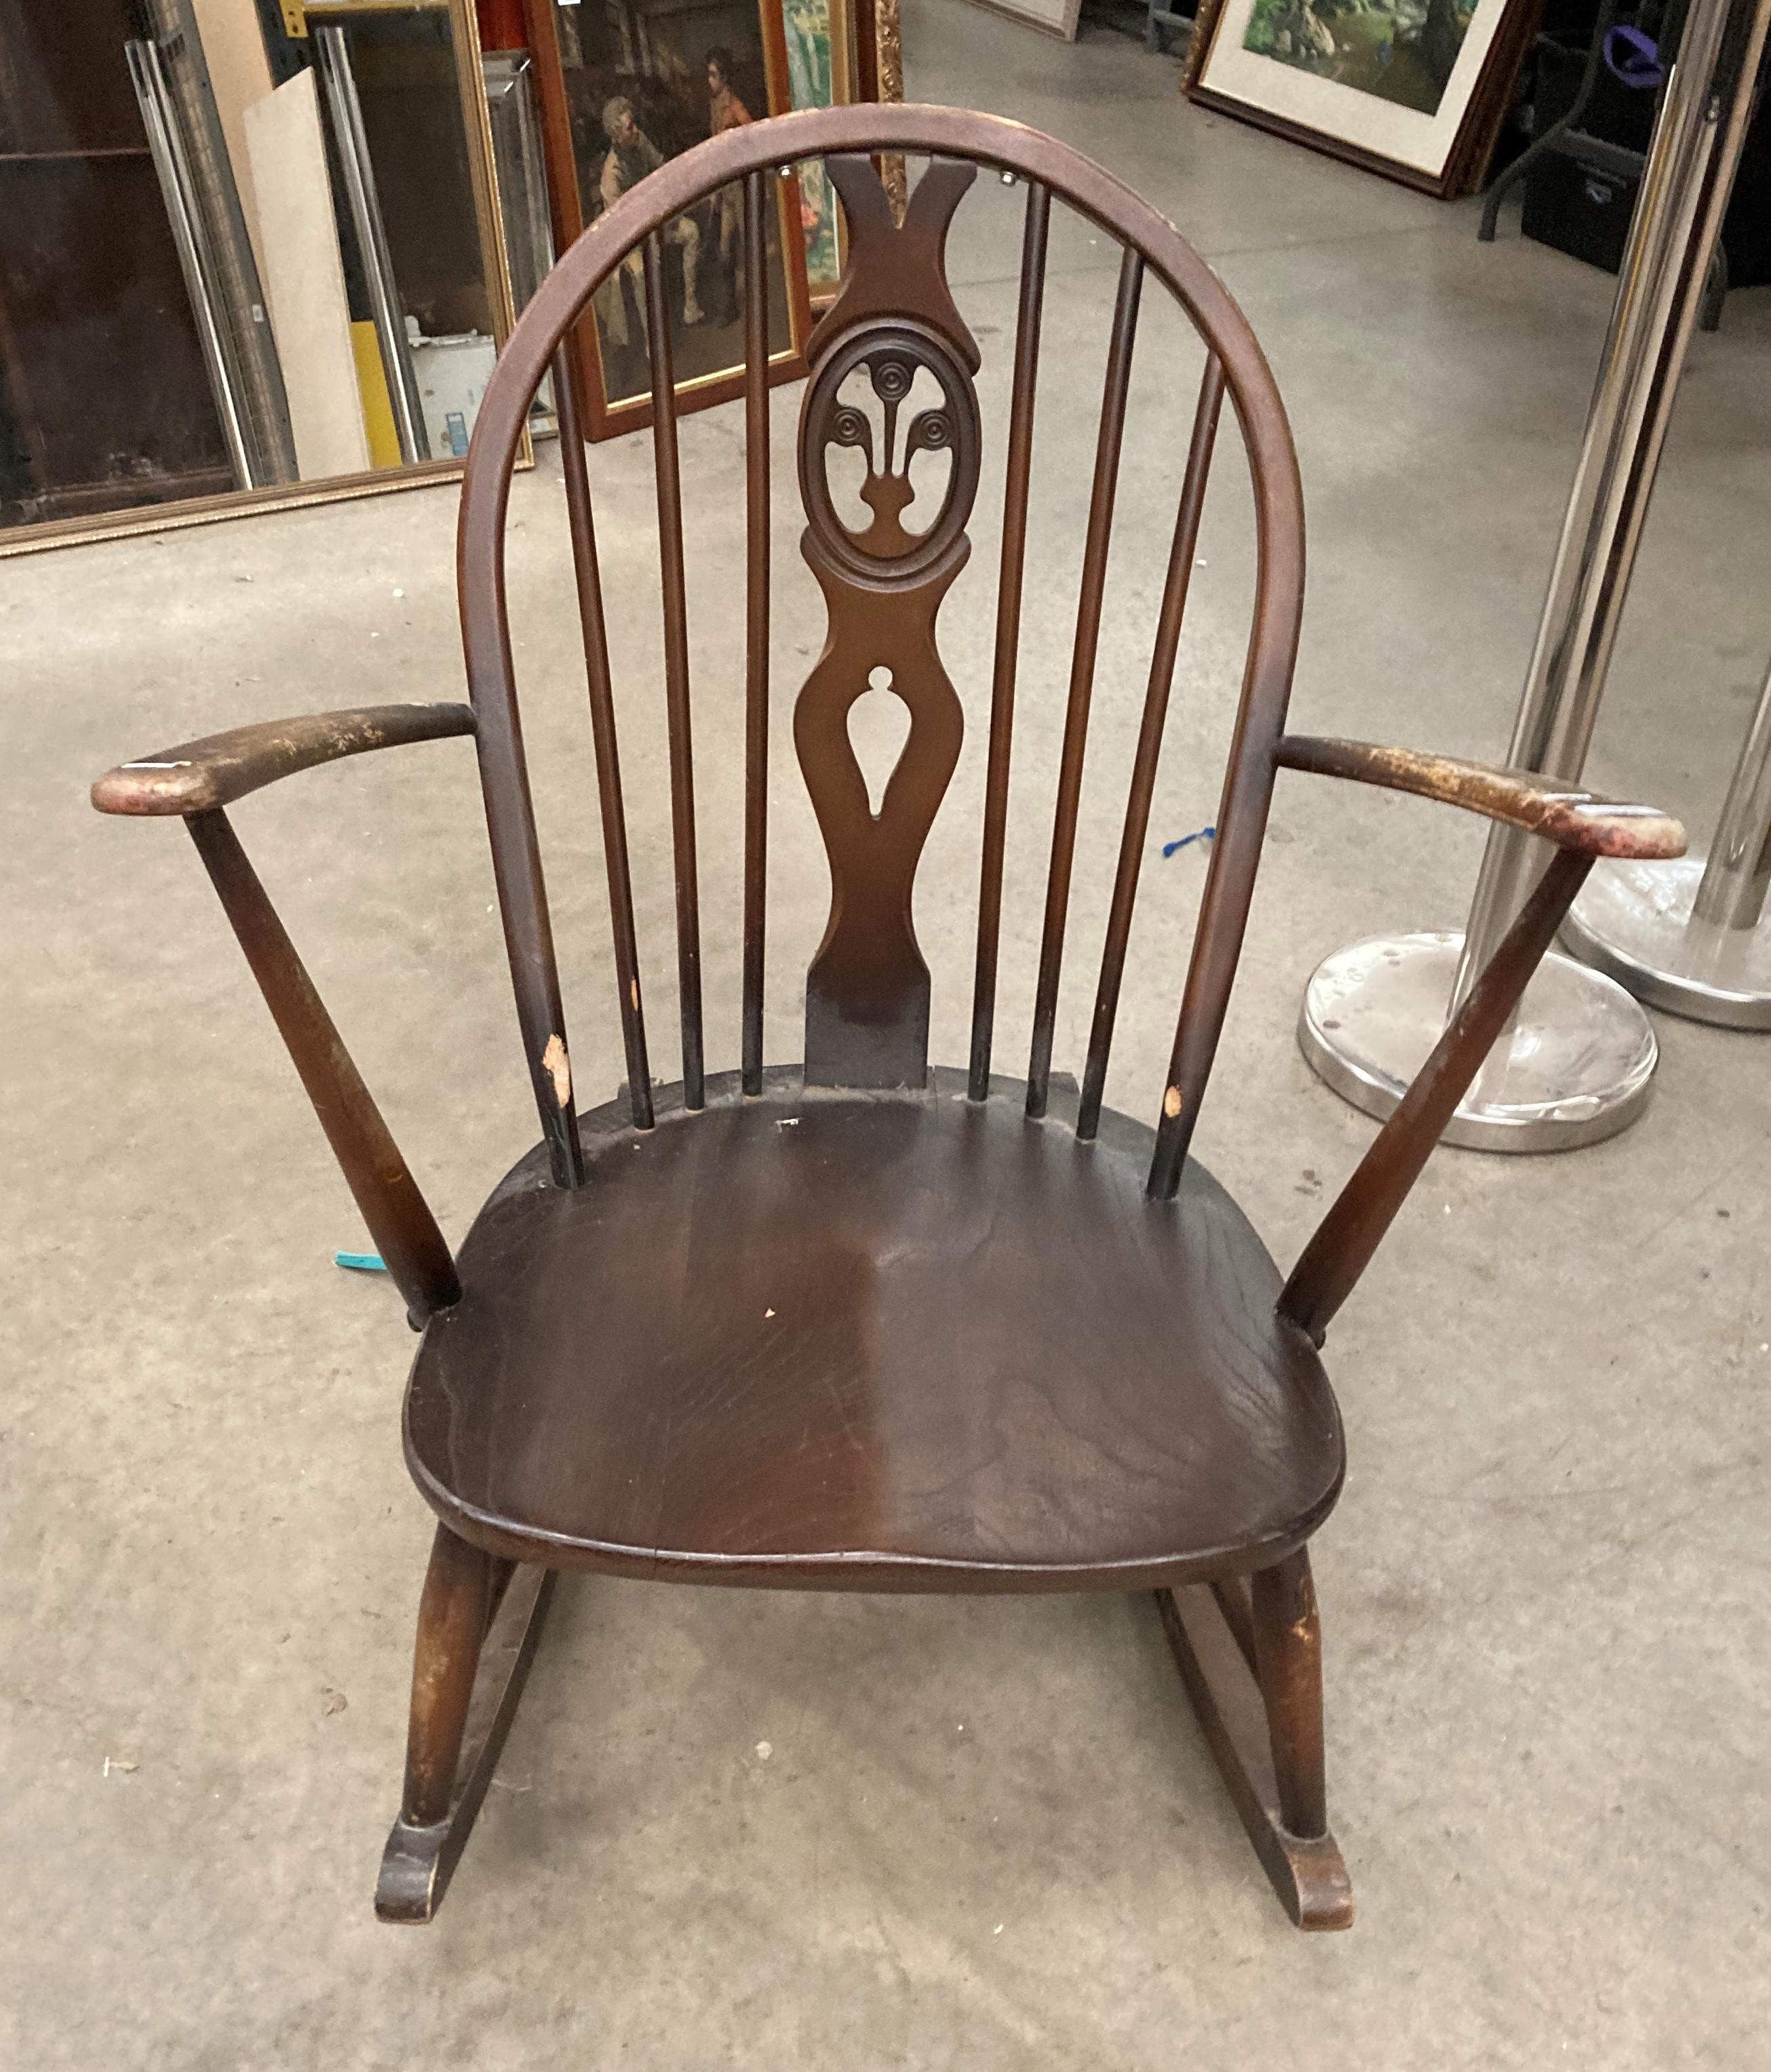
249, 255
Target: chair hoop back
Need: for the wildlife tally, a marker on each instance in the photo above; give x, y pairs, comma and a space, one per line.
894, 320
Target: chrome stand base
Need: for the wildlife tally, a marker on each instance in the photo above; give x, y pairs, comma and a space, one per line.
1633, 922
1577, 1068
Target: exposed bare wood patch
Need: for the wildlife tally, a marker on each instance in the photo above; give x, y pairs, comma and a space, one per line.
558, 1068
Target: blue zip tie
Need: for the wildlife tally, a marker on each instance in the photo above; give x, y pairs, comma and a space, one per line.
1199, 834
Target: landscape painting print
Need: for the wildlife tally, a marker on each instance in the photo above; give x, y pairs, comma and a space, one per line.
1402, 51
1415, 88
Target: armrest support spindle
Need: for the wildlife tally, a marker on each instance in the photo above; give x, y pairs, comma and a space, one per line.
1585, 827
1351, 1232
405, 1232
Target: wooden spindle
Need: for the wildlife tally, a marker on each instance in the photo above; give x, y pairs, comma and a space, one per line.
1367, 1206
1149, 744
405, 1232
1008, 655
756, 660
602, 735
682, 760
1082, 675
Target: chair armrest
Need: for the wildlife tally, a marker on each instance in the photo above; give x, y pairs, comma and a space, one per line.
1561, 813
199, 775
197, 781
1585, 827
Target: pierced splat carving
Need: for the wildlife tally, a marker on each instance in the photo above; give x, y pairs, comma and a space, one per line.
867, 992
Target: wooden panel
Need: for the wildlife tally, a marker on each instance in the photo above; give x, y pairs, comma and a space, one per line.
304, 280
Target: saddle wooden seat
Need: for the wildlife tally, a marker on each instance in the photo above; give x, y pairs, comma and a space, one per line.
881, 1340
850, 1324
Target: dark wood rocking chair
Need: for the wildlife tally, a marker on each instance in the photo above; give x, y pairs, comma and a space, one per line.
853, 1323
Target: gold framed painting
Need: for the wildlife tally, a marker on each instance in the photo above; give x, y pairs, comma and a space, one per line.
625, 85
1415, 89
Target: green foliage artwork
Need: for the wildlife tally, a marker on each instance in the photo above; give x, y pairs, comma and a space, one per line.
806, 24
1401, 51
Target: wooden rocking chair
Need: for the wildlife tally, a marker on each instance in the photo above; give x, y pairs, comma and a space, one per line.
853, 1323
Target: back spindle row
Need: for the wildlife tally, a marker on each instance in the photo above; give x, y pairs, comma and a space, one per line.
1097, 539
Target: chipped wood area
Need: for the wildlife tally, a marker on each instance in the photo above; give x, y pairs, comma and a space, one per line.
1564, 814
558, 1068
199, 775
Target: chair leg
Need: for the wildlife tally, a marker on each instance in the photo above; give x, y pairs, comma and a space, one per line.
1262, 1718
478, 1621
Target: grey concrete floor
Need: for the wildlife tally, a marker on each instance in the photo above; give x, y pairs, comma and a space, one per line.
986, 1834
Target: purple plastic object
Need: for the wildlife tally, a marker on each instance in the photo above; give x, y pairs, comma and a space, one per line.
1632, 59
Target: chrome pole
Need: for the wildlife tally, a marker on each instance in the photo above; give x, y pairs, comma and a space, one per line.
236, 294
164, 146
1685, 185
1578, 1063
1731, 893
334, 53
1691, 936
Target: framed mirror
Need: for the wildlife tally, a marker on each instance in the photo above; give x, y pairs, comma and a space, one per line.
250, 256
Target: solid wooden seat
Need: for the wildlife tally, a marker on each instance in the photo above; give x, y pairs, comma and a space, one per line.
900, 1341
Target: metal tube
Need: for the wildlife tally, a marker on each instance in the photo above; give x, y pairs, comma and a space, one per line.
1736, 878
334, 53
1685, 185
151, 92
522, 179
236, 294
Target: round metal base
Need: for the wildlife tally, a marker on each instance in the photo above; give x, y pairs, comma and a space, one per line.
1633, 921
1578, 1068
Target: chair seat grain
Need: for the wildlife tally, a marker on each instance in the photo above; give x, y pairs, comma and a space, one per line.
834, 1338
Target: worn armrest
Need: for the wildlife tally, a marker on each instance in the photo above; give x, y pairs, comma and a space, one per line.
196, 781
1585, 827
1571, 818
200, 776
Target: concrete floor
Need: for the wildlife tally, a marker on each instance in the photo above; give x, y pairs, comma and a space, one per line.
985, 1835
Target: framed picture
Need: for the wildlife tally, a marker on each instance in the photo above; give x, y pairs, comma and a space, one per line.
1416, 89
625, 85
819, 36
1055, 18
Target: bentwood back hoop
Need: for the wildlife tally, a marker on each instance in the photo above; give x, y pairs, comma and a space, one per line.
867, 1009
853, 1322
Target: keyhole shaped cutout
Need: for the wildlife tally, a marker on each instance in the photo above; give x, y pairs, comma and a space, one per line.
879, 725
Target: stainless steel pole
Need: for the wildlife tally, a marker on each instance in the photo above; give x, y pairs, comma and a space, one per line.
1578, 1063
1692, 936
1731, 893
1685, 186
334, 53
154, 100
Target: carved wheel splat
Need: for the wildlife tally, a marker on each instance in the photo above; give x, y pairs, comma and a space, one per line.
867, 991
